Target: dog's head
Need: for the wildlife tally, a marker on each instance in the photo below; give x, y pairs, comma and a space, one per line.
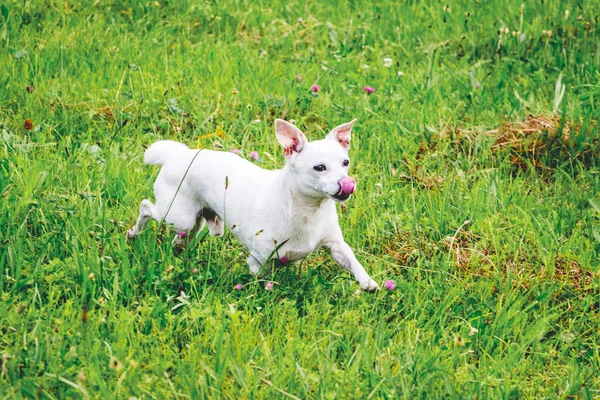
320, 167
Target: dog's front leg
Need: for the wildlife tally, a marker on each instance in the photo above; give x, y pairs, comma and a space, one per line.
254, 264
343, 254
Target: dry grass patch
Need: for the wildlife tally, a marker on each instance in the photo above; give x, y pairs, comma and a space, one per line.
570, 271
533, 139
542, 142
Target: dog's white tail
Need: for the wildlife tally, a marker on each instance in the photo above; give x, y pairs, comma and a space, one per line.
161, 151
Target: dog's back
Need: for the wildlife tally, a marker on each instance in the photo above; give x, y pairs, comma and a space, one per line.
194, 182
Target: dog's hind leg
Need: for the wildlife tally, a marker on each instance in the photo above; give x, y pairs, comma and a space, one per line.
183, 238
216, 226
146, 213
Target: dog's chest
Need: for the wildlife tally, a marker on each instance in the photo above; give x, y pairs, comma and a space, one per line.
297, 249
303, 239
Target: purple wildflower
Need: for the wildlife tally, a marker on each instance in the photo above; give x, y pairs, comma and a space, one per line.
389, 285
269, 285
298, 78
315, 88
284, 260
182, 234
195, 271
236, 151
369, 89
238, 286
254, 155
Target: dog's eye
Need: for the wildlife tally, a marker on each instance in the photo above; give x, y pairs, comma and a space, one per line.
346, 163
320, 168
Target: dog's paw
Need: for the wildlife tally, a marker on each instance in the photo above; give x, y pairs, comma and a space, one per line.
131, 234
369, 285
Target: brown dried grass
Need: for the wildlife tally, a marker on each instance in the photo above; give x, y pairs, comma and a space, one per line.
542, 141
530, 140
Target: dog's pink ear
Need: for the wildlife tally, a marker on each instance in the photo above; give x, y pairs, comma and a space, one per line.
289, 137
342, 134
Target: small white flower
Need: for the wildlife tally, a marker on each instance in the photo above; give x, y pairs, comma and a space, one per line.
522, 37
387, 62
365, 66
400, 74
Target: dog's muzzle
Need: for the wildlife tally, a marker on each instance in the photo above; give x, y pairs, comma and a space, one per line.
347, 187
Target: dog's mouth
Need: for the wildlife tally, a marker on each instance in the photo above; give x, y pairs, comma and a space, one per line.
342, 196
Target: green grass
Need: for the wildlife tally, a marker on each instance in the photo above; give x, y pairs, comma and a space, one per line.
504, 306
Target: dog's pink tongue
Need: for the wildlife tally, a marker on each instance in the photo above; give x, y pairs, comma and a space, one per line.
347, 186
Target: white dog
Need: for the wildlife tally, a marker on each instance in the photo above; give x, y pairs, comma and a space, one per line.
282, 214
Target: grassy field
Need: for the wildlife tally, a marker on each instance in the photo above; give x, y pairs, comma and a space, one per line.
477, 162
